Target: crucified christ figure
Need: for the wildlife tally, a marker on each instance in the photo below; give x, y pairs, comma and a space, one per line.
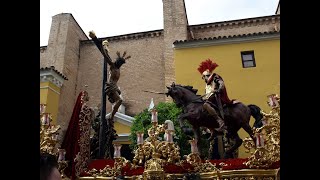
112, 90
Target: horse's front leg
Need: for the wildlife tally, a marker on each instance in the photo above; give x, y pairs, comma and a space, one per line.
181, 119
186, 130
197, 137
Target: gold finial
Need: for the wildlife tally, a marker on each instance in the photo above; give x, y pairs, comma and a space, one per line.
105, 45
92, 34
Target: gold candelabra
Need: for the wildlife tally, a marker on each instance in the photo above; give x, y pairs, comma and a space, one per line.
266, 149
154, 152
48, 132
194, 157
49, 139
119, 163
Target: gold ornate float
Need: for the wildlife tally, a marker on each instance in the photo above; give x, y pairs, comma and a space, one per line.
154, 154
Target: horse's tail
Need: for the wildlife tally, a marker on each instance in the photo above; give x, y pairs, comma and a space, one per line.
256, 114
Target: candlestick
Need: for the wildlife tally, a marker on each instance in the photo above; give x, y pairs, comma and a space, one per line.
62, 153
260, 140
272, 100
154, 116
55, 137
139, 138
42, 108
45, 119
168, 136
169, 125
117, 152
194, 148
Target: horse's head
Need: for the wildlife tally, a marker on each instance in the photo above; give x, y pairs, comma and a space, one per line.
176, 94
181, 95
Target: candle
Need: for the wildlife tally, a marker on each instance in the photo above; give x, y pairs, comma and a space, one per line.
139, 138
62, 153
169, 125
154, 115
260, 140
117, 152
55, 137
194, 147
42, 108
168, 136
45, 119
272, 100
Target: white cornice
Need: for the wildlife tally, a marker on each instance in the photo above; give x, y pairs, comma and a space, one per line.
48, 75
47, 87
122, 118
122, 137
233, 40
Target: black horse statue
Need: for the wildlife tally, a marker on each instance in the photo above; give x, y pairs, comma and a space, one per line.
236, 116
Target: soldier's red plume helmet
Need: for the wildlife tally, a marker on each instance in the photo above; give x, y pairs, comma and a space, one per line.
206, 67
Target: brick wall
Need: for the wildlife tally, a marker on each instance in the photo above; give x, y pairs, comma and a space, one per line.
43, 58
63, 53
143, 71
175, 28
235, 28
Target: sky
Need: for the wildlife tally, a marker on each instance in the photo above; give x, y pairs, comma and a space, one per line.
116, 17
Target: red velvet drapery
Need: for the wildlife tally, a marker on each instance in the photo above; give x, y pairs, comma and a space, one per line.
71, 138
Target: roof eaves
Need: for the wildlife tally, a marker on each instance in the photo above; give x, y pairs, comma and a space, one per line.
56, 71
227, 37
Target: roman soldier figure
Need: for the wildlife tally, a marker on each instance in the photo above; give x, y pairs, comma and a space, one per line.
216, 94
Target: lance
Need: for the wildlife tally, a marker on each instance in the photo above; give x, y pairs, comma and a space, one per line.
154, 92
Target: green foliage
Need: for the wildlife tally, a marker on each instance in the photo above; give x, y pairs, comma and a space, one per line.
166, 111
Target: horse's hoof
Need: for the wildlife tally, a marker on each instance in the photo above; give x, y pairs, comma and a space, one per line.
227, 154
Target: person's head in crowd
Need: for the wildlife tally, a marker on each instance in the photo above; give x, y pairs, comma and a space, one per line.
49, 167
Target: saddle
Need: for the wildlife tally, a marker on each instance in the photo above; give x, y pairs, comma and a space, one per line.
224, 106
215, 106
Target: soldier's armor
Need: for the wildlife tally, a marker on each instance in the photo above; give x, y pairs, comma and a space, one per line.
210, 87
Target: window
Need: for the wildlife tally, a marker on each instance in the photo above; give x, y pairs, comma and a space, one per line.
248, 59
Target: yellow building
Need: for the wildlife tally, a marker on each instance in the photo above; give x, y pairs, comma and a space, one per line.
51, 82
249, 65
122, 124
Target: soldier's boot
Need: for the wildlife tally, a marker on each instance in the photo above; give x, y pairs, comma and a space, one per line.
221, 127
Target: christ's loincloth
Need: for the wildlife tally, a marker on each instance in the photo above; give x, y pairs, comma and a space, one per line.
110, 89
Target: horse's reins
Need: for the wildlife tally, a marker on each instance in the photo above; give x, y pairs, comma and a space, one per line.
193, 101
